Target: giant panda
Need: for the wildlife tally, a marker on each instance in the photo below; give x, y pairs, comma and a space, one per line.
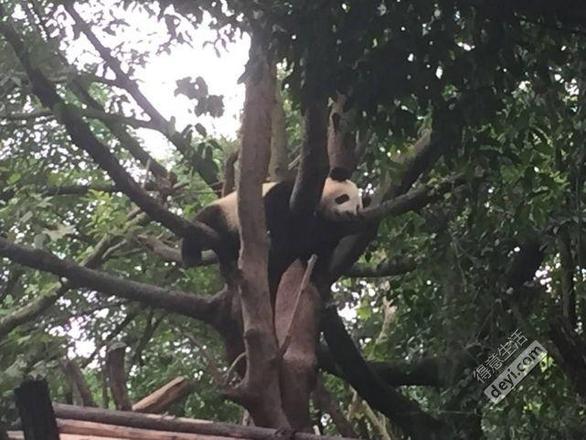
290, 238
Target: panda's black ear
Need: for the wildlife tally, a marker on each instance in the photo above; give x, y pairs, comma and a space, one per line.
340, 174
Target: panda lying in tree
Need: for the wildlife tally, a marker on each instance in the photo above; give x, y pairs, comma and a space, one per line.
290, 237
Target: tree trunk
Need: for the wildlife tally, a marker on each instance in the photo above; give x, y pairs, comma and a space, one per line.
299, 361
259, 391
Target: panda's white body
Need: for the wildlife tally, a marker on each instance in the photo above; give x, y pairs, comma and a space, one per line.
229, 206
290, 238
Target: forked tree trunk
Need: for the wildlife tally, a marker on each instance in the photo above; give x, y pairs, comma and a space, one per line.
259, 390
299, 361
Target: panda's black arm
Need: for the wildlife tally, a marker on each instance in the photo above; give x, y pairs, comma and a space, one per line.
279, 217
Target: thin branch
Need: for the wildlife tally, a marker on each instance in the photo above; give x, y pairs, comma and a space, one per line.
230, 173
423, 154
87, 112
30, 311
130, 316
212, 365
83, 137
116, 126
233, 365
405, 412
170, 253
327, 403
41, 303
151, 327
202, 166
26, 116
415, 199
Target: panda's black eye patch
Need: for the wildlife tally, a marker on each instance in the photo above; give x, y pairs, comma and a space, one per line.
341, 199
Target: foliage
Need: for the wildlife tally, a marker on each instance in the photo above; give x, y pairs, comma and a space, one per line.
503, 90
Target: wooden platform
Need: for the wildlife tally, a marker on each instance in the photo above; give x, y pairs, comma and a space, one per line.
45, 420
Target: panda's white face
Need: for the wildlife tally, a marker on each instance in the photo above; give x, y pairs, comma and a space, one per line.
338, 198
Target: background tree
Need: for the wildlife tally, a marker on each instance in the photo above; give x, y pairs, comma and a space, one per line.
464, 120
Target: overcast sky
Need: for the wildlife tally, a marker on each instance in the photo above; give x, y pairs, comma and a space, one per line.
158, 78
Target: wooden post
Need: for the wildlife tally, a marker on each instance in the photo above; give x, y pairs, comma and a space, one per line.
36, 412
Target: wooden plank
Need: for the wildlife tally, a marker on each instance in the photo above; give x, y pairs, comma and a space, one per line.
18, 435
173, 424
125, 432
161, 399
36, 412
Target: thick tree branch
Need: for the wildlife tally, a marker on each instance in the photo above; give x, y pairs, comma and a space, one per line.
412, 200
568, 292
186, 304
115, 368
279, 162
75, 376
314, 164
370, 386
434, 371
83, 137
259, 390
424, 154
572, 352
341, 138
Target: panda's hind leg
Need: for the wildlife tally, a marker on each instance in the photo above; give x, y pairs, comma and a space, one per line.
190, 252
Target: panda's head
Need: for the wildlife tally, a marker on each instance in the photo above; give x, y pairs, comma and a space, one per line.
340, 195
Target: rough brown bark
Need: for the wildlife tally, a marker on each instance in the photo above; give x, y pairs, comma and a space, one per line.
314, 165
117, 375
101, 430
297, 322
279, 162
169, 423
36, 413
341, 138
259, 390
75, 376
